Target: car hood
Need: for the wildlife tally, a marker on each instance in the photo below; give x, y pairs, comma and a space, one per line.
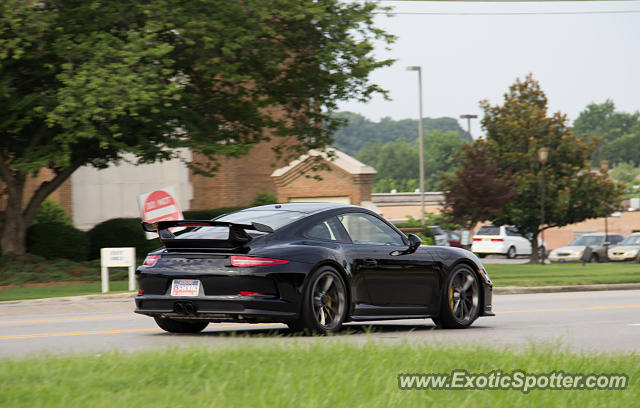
570, 248
625, 247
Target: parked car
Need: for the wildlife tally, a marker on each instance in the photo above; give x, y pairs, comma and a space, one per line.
454, 239
312, 266
597, 241
439, 235
503, 240
627, 250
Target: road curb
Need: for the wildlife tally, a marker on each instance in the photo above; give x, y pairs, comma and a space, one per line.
516, 290
503, 290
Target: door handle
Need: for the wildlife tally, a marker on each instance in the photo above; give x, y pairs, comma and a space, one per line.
370, 262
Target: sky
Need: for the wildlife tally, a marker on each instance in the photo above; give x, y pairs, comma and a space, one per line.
580, 52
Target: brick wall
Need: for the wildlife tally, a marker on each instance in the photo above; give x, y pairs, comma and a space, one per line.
62, 195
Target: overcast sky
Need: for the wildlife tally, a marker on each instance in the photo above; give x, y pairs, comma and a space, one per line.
580, 52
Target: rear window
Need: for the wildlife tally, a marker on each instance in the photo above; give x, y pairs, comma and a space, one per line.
274, 219
488, 230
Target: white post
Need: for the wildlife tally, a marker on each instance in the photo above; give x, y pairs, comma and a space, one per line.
104, 277
132, 278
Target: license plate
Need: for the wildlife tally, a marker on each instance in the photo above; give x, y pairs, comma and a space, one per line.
185, 287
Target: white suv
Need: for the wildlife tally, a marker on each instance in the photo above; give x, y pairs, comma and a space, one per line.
504, 240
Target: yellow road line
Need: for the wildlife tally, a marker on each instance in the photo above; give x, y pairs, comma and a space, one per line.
571, 309
115, 331
63, 319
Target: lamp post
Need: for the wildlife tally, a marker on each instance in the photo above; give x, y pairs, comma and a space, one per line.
604, 169
543, 156
468, 117
420, 140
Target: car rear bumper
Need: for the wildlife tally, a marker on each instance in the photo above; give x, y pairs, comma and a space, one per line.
217, 308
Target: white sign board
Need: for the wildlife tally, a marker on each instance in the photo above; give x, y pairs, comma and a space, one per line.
159, 205
117, 257
465, 237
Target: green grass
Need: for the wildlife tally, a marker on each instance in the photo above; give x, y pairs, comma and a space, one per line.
563, 274
303, 374
62, 290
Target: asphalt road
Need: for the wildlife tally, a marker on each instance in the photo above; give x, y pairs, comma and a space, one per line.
580, 321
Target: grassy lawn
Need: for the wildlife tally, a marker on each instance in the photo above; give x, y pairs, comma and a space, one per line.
319, 374
61, 290
563, 274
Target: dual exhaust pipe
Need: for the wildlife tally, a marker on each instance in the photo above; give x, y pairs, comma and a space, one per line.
185, 308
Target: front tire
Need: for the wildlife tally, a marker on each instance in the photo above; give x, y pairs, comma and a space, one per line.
180, 326
460, 305
324, 303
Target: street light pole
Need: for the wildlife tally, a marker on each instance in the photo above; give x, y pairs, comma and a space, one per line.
468, 117
543, 156
420, 140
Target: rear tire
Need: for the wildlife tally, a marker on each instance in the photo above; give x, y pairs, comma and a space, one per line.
324, 303
460, 305
511, 253
482, 255
180, 326
594, 258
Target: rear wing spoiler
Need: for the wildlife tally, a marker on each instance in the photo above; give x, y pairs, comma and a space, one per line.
237, 232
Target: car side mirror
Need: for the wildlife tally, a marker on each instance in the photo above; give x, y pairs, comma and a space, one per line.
414, 243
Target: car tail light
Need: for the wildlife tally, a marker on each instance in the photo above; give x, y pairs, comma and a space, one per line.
477, 239
151, 260
246, 261
140, 292
243, 293
497, 240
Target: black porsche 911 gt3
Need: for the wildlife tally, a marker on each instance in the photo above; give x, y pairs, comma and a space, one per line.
312, 266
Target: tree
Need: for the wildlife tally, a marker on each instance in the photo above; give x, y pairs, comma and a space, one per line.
477, 190
84, 82
618, 133
515, 131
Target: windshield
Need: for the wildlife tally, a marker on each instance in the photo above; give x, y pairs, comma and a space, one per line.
274, 219
631, 240
488, 230
587, 240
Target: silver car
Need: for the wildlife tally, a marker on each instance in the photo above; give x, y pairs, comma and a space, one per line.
627, 250
596, 241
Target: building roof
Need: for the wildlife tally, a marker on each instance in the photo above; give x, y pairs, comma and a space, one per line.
340, 159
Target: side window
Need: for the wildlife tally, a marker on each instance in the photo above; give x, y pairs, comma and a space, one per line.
367, 229
322, 231
512, 232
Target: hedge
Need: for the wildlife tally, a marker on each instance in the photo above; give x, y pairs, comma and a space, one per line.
120, 232
53, 240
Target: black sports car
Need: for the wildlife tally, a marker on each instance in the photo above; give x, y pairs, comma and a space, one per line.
312, 266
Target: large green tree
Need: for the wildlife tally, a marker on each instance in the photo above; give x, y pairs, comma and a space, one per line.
574, 192
618, 133
83, 82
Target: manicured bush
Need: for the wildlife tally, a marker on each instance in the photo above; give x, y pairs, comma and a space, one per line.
264, 199
54, 240
120, 232
51, 211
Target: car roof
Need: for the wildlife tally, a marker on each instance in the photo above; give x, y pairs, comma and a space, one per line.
308, 208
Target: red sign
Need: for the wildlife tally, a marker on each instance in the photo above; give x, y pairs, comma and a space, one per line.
160, 206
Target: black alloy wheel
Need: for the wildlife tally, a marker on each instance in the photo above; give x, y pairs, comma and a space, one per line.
324, 306
461, 300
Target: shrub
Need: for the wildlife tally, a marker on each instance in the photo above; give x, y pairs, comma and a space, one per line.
51, 211
120, 232
264, 199
57, 240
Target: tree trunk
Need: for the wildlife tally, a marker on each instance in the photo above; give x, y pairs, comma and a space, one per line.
534, 250
13, 236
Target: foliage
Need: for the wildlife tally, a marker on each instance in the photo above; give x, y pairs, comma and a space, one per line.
477, 190
627, 174
54, 240
358, 131
397, 162
120, 232
85, 82
51, 211
618, 133
515, 131
265, 198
